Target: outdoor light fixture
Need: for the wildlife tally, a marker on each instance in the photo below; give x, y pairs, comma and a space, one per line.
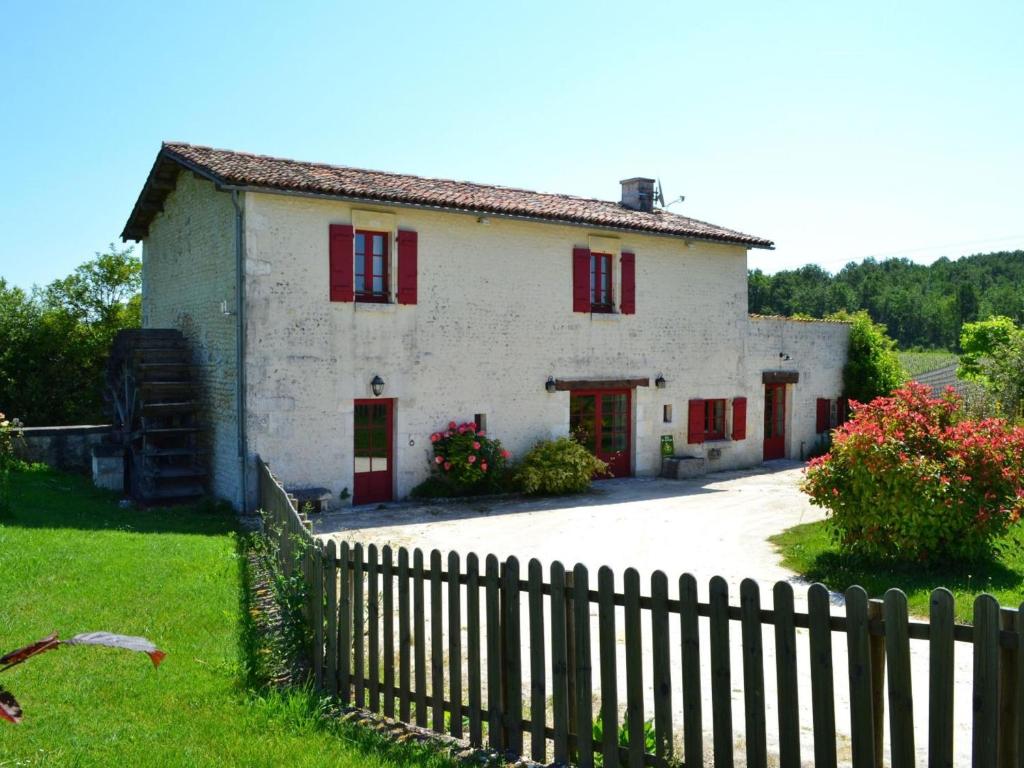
660, 381
550, 384
377, 385
784, 357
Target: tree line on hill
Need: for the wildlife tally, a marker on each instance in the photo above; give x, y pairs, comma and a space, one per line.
922, 306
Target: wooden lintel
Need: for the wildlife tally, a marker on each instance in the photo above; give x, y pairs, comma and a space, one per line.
567, 384
780, 377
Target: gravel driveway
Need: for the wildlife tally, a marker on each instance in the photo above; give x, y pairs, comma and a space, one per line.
717, 525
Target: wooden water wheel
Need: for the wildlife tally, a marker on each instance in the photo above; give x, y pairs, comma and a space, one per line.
153, 397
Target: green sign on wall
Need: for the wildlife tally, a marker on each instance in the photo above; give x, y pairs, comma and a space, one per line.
667, 445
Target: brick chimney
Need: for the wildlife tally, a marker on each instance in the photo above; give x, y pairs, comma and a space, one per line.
638, 194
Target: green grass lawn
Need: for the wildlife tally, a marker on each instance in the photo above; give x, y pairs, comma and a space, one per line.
71, 561
919, 362
808, 550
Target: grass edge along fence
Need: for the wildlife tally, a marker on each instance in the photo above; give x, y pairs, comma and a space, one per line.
356, 595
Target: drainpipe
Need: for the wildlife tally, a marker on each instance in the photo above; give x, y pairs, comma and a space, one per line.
240, 350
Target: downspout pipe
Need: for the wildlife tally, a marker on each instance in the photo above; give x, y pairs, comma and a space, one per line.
243, 452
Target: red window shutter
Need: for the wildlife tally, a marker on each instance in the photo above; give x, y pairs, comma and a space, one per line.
628, 303
580, 280
739, 418
695, 428
407, 258
821, 423
341, 277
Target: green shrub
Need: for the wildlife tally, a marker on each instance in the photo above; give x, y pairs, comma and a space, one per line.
558, 466
873, 368
909, 478
466, 462
10, 433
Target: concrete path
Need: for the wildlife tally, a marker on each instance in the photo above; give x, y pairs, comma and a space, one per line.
718, 525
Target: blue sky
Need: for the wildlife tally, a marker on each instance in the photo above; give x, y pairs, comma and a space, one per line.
839, 130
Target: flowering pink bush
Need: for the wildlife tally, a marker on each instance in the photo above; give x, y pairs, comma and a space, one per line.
910, 478
468, 461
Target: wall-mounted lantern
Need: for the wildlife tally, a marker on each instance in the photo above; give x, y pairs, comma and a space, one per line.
784, 358
660, 381
377, 385
549, 385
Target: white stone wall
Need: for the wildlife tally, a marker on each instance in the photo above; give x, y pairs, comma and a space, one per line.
188, 269
494, 320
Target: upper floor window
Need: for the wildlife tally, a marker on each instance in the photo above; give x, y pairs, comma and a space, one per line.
371, 266
601, 282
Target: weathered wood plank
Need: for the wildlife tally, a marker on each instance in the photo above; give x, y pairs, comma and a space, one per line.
862, 719
436, 644
823, 702
358, 627
538, 682
559, 665
387, 574
1008, 748
608, 647
786, 676
634, 669
901, 698
455, 643
419, 637
404, 638
986, 682
584, 673
331, 582
513, 659
753, 674
661, 668
721, 675
317, 598
876, 646
689, 636
344, 624
940, 679
373, 626
492, 588
473, 678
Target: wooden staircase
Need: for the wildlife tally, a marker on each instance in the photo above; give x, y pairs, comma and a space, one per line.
153, 394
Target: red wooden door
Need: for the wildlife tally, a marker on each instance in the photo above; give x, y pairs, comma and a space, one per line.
602, 421
373, 451
774, 421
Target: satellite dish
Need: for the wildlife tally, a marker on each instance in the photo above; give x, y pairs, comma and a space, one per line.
659, 194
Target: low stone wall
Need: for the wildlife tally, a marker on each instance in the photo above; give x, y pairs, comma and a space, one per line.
67, 448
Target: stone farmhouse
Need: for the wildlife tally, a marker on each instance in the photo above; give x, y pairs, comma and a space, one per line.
337, 317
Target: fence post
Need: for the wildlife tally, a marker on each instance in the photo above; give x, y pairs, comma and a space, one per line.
570, 658
1009, 658
877, 644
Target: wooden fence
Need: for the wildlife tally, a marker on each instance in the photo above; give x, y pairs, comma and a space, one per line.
379, 614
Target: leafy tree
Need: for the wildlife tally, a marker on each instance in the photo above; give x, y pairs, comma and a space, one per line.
993, 355
872, 368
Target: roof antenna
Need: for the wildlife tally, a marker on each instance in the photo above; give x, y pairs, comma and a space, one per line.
659, 195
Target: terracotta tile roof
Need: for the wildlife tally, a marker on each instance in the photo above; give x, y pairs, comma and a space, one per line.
261, 172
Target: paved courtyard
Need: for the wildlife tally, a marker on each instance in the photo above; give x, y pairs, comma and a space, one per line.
716, 525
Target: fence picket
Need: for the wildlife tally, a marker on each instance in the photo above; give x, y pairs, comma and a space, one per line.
317, 598
901, 700
419, 637
404, 637
721, 677
584, 674
373, 626
455, 644
786, 676
862, 719
538, 687
1007, 748
388, 611
753, 674
473, 648
661, 668
358, 627
512, 659
986, 682
689, 636
607, 644
495, 736
344, 624
436, 645
331, 581
823, 705
559, 665
634, 669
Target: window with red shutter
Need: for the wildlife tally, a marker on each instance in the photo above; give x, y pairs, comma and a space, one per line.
821, 422
340, 248
739, 418
628, 266
407, 266
601, 282
580, 280
695, 425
